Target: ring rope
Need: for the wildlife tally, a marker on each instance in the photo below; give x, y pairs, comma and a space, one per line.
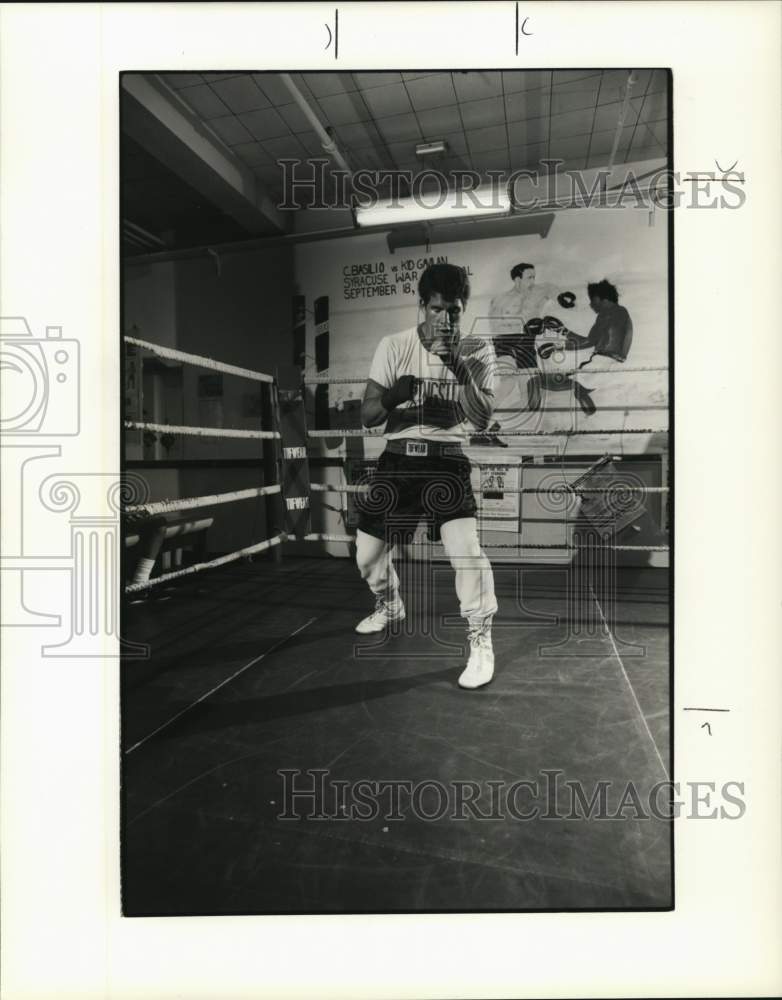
250, 550
320, 537
215, 432
350, 380
199, 360
190, 503
563, 488
502, 434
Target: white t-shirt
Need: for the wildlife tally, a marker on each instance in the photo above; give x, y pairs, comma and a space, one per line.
403, 354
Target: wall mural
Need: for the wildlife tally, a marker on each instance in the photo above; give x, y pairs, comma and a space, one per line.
557, 359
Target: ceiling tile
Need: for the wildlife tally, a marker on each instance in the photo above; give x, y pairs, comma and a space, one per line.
597, 160
400, 152
601, 142
286, 146
230, 130
205, 102
570, 75
367, 81
276, 91
527, 104
614, 84
311, 143
477, 85
264, 124
522, 157
658, 82
252, 153
438, 121
430, 164
386, 101
530, 131
294, 117
495, 137
569, 148
571, 123
240, 94
570, 99
211, 77
431, 91
492, 159
418, 75
326, 84
367, 159
457, 143
654, 107
360, 135
643, 79
452, 163
481, 114
515, 81
607, 115
586, 84
344, 109
399, 128
179, 80
651, 132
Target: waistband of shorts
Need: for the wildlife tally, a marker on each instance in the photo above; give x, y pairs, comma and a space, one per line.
434, 449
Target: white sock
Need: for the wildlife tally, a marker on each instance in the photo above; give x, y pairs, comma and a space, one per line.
143, 570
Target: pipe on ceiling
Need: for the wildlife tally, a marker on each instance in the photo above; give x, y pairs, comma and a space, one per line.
632, 79
326, 141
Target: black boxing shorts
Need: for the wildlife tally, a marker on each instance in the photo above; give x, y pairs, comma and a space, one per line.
408, 488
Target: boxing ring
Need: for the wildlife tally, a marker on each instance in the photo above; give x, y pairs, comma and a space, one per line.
562, 493
261, 675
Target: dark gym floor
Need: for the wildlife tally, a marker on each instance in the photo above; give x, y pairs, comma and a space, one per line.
256, 669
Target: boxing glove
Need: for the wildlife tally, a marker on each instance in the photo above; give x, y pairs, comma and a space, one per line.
402, 391
553, 325
566, 299
546, 350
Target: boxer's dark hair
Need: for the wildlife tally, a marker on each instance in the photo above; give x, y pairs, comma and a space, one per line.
448, 280
603, 290
519, 269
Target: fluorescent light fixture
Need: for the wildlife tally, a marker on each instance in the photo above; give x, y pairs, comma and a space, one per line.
424, 149
434, 206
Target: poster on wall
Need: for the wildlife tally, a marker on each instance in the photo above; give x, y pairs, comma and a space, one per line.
499, 497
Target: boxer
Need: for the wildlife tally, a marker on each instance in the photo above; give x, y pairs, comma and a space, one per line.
611, 335
517, 321
431, 388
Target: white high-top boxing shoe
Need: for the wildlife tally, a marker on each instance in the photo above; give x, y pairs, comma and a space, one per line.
384, 614
480, 666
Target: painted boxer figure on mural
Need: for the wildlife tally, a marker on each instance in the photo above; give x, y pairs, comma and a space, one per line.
611, 335
518, 318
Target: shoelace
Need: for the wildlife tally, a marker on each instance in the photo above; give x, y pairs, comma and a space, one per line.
382, 606
480, 634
